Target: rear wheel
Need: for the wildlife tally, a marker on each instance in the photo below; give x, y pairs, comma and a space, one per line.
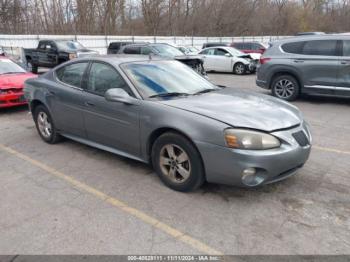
239, 68
45, 125
285, 87
177, 162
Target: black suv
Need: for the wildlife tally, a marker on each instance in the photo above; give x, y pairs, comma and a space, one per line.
167, 51
114, 47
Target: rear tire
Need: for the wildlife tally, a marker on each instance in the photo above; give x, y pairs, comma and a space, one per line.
45, 126
239, 69
285, 87
177, 162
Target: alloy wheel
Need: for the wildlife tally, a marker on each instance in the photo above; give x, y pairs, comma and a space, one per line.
44, 125
239, 69
284, 88
175, 163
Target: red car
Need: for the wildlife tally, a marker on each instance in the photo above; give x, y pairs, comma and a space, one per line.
249, 47
12, 78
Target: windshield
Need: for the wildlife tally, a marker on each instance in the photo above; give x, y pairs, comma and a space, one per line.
193, 49
234, 51
9, 67
167, 50
74, 45
161, 77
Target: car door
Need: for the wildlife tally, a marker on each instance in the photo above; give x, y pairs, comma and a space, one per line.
112, 124
209, 59
319, 65
52, 55
343, 87
223, 60
65, 98
41, 54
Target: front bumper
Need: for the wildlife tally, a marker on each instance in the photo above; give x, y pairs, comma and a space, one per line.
251, 67
12, 99
225, 165
262, 83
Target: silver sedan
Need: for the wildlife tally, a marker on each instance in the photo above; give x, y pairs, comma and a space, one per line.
163, 113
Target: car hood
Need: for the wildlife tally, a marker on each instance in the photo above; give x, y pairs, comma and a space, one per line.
241, 109
250, 56
14, 80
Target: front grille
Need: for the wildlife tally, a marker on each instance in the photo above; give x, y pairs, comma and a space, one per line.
301, 138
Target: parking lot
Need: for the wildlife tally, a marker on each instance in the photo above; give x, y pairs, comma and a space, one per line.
71, 198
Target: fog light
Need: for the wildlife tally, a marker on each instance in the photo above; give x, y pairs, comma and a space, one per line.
251, 178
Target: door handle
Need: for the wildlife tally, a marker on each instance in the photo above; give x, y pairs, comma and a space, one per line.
87, 103
298, 61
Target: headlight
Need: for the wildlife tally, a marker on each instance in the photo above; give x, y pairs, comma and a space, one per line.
247, 139
72, 56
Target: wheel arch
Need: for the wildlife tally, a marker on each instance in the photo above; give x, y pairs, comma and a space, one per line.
162, 130
285, 72
35, 103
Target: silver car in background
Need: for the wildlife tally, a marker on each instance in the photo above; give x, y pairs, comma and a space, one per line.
162, 112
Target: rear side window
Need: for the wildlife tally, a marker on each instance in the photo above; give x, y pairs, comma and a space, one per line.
72, 74
146, 50
320, 47
239, 45
346, 48
256, 46
133, 50
114, 45
294, 47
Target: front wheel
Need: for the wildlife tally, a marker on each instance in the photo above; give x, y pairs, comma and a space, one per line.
31, 67
45, 125
239, 68
285, 87
177, 162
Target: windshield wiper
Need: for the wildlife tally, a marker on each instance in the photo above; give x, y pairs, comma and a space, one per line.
205, 91
169, 94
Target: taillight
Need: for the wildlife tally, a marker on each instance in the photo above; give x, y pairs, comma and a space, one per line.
264, 60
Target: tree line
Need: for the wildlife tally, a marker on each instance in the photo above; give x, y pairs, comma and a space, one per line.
173, 17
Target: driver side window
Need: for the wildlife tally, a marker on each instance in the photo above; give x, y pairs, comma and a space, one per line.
220, 52
103, 77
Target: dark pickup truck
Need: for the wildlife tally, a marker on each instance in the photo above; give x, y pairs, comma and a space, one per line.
51, 53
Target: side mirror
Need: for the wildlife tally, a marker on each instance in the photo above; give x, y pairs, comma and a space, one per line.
228, 55
119, 95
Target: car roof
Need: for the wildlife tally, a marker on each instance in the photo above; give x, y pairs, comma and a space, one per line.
313, 37
222, 47
246, 42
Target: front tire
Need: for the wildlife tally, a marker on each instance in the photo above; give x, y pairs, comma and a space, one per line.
285, 87
239, 68
31, 67
45, 125
177, 162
